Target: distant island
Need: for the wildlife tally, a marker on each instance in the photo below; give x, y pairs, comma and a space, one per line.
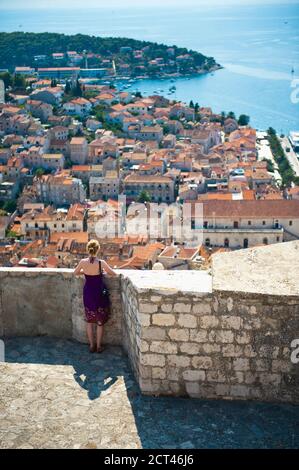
118, 57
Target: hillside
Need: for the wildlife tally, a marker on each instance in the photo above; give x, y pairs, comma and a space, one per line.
36, 50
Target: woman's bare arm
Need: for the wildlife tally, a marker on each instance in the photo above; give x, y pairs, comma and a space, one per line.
78, 270
107, 269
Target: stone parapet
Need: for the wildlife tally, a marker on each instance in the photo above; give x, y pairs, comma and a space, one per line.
187, 333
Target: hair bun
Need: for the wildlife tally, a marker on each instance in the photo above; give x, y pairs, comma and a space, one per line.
93, 247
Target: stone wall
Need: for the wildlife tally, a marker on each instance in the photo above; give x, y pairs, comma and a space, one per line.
214, 344
37, 302
187, 333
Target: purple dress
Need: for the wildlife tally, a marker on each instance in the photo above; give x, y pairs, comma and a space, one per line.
96, 303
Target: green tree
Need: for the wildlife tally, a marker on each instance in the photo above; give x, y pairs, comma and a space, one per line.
68, 88
19, 81
231, 115
191, 104
243, 120
39, 172
7, 78
270, 165
77, 90
11, 234
144, 196
10, 206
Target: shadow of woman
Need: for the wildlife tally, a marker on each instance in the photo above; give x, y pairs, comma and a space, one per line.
91, 378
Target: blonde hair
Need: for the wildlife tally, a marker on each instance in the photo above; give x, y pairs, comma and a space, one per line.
93, 247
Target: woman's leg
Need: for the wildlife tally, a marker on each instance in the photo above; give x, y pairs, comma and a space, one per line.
100, 331
90, 334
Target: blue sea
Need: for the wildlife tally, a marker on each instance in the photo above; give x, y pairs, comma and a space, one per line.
258, 46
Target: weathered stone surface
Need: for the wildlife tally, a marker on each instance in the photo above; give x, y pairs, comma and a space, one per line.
202, 309
162, 319
147, 308
182, 307
194, 375
208, 321
190, 348
166, 308
163, 347
178, 361
261, 270
153, 360
179, 334
199, 336
231, 322
202, 362
187, 321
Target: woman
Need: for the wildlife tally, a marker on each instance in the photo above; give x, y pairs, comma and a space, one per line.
96, 303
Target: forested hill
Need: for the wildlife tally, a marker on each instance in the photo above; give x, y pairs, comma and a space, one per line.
21, 49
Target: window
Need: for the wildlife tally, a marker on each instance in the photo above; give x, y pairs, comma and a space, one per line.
290, 222
207, 242
249, 222
205, 224
264, 223
245, 243
236, 224
265, 241
226, 242
277, 239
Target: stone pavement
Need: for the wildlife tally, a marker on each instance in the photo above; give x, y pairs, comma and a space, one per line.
54, 394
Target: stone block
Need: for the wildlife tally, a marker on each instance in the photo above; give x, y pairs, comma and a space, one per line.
144, 319
166, 308
240, 391
178, 361
158, 373
243, 337
194, 375
222, 336
232, 350
163, 319
233, 322
178, 334
152, 360
199, 336
241, 364
163, 347
182, 308
202, 362
190, 348
208, 321
202, 308
192, 389
147, 308
153, 333
187, 321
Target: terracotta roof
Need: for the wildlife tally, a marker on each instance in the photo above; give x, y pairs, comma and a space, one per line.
78, 237
253, 209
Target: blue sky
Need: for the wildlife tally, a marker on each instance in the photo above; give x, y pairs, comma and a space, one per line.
21, 4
